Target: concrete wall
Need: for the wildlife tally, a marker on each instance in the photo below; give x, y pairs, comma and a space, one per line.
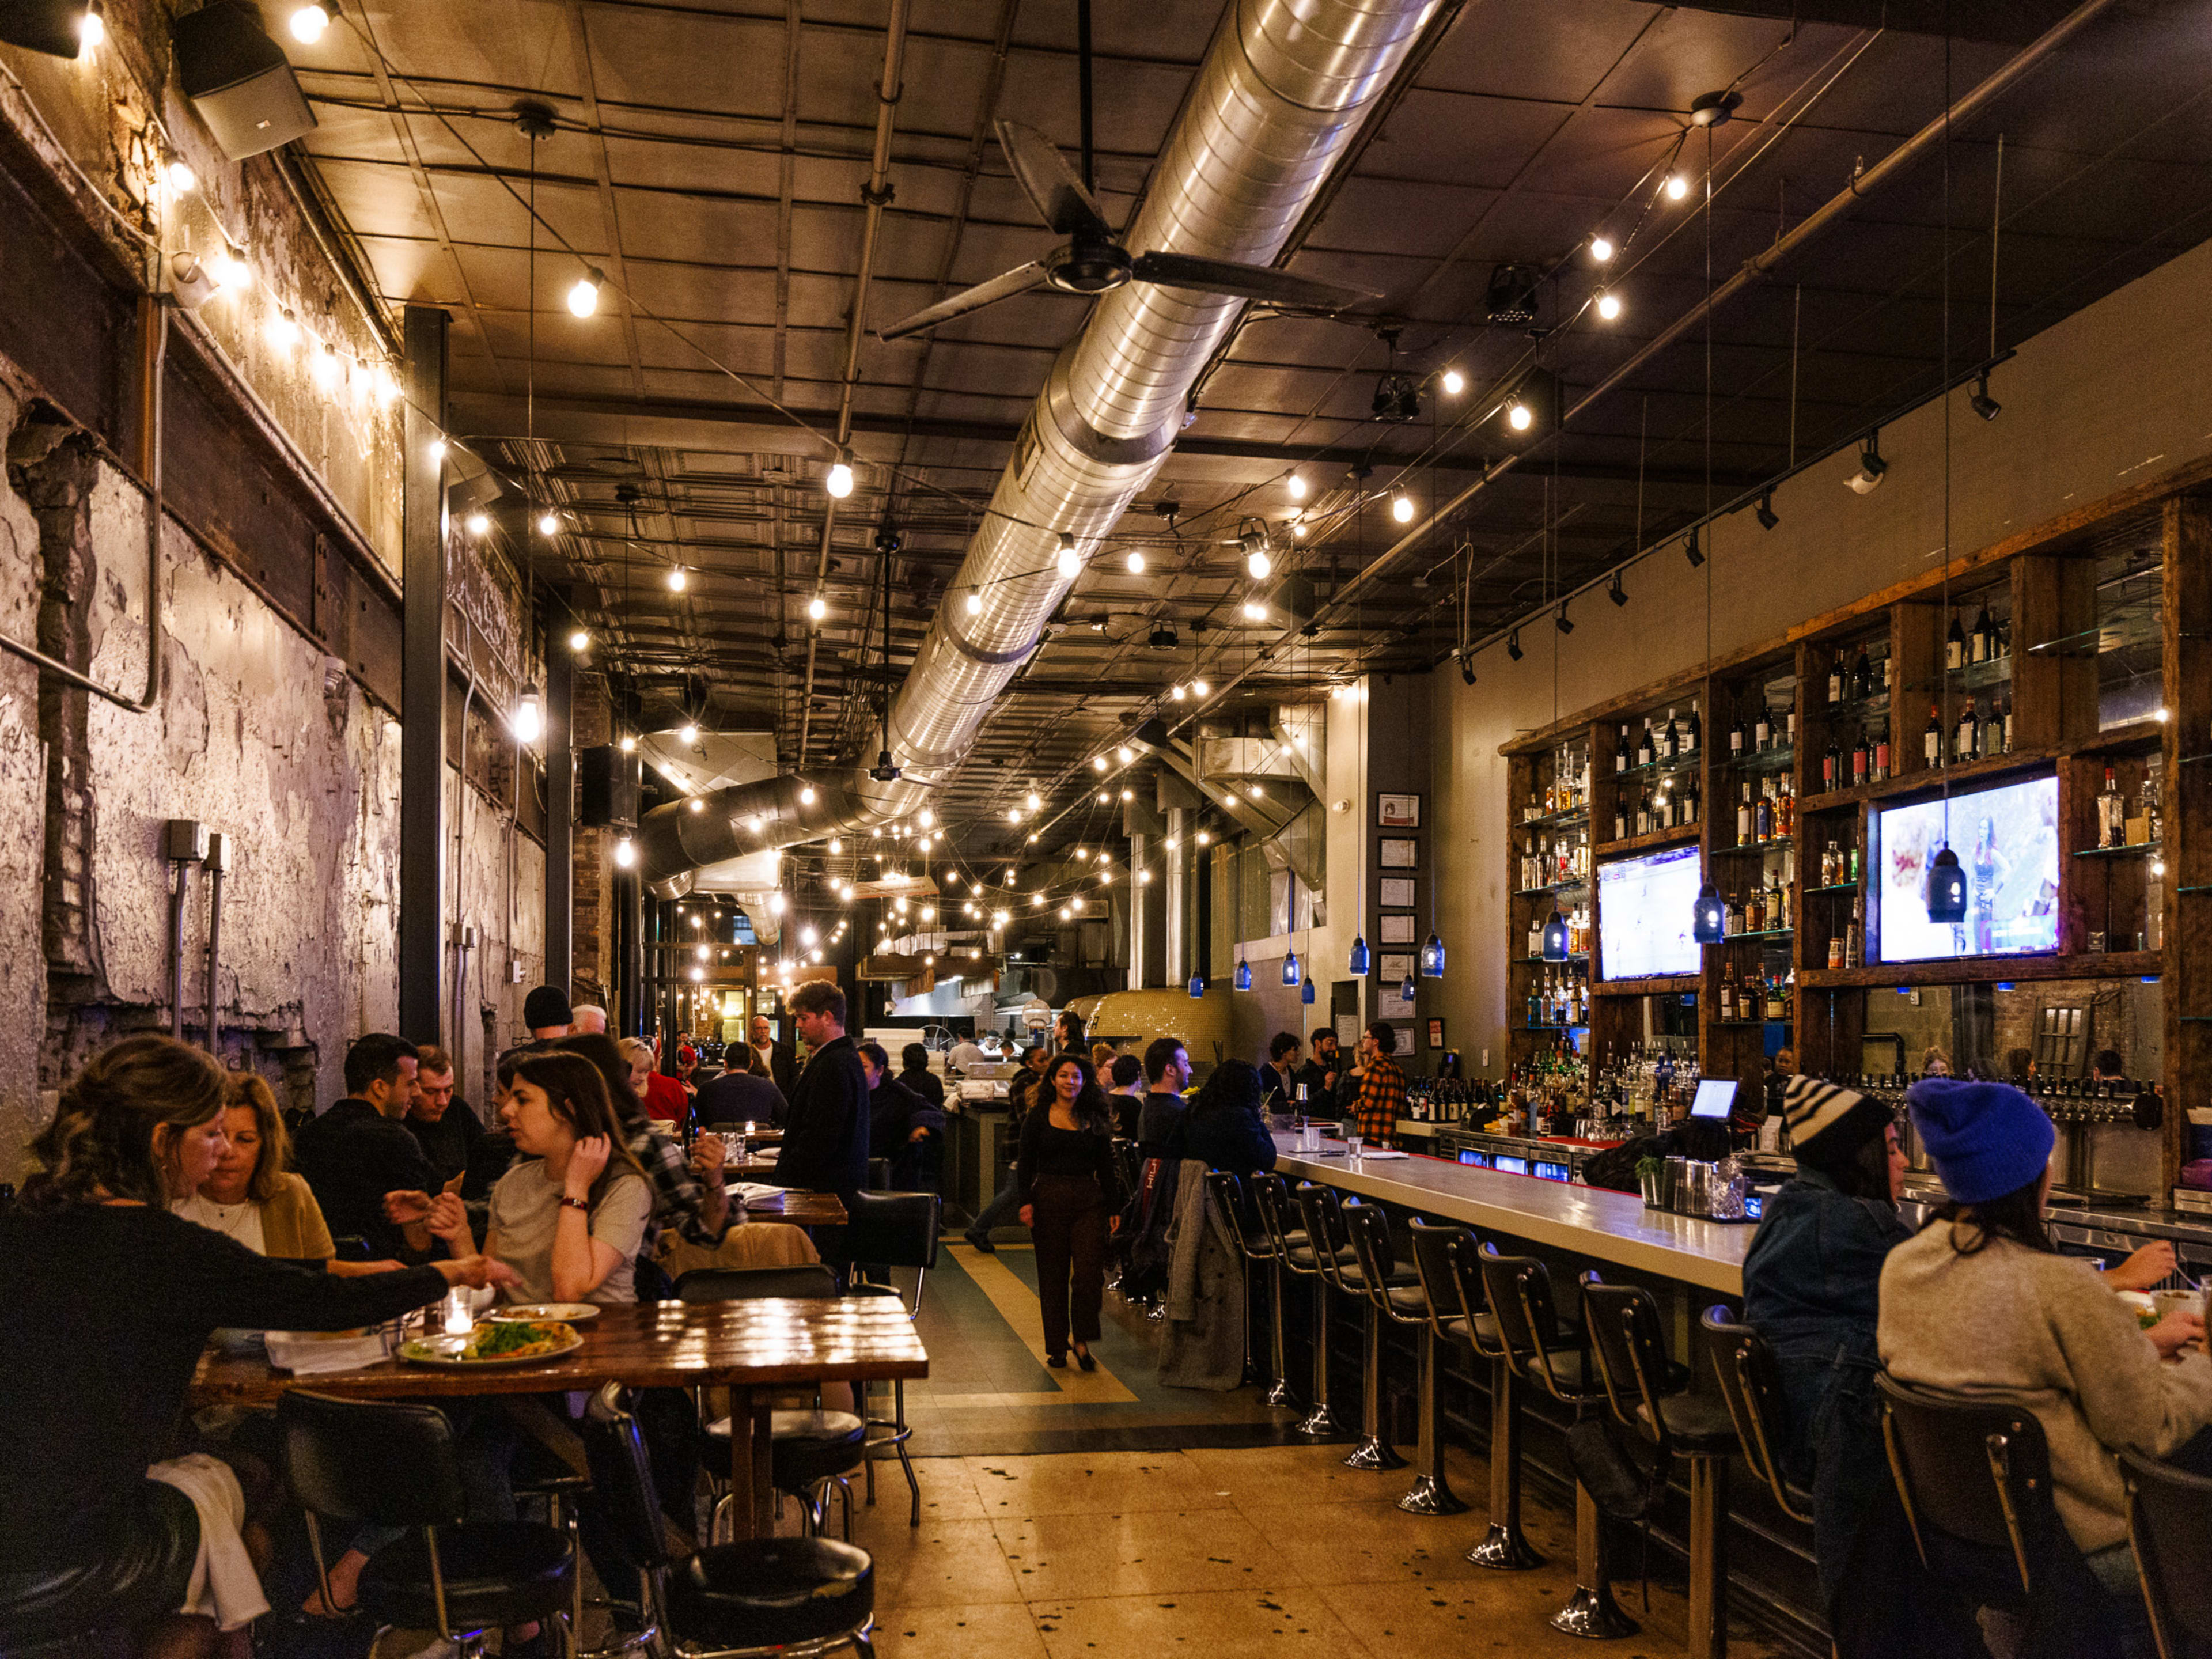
2098, 402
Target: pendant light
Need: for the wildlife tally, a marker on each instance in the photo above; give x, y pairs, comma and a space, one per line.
1306, 993
1708, 915
1360, 958
1555, 936
1432, 956
1946, 880
1197, 985
1244, 970
1290, 970
1947, 888
1409, 991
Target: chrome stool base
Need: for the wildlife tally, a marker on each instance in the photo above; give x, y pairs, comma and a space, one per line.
1429, 1495
1373, 1454
1593, 1614
1505, 1549
1280, 1395
1320, 1424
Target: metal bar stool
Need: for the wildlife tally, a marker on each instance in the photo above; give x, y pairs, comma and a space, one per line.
1431, 1492
1631, 1360
1261, 1247
1449, 1265
1297, 1254
1751, 1383
1323, 1208
1519, 1290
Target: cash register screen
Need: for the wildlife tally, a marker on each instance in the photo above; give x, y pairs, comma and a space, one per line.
1715, 1098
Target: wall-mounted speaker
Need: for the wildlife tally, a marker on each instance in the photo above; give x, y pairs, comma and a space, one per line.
238, 79
607, 786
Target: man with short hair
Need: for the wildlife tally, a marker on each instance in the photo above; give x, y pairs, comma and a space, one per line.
545, 1013
1167, 1075
900, 1121
1127, 1094
825, 1137
1382, 1099
780, 1063
359, 1150
1282, 1074
967, 1052
590, 1020
447, 1130
740, 1095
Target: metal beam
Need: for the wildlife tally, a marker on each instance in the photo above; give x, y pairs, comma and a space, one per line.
422, 682
560, 794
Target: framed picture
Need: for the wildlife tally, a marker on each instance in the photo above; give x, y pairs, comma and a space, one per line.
1399, 853
1396, 966
1397, 811
1397, 930
1398, 891
1436, 1034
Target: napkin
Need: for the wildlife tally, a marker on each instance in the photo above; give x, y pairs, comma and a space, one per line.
1372, 1153
311, 1353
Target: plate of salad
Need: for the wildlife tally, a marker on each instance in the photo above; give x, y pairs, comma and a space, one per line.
507, 1342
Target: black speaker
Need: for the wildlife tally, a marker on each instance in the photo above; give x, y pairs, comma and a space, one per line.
607, 784
238, 79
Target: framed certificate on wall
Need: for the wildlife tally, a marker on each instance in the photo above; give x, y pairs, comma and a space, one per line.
1397, 891
1397, 930
1399, 853
1397, 965
1397, 812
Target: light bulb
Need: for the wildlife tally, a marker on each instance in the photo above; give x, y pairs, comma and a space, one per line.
629, 745
479, 523
528, 723
179, 174
1178, 692
1204, 836
1517, 415
1198, 688
1296, 483
92, 28
580, 641
1677, 186
1608, 304
1600, 248
1098, 762
583, 295
975, 602
229, 268
698, 805
625, 853
806, 794
839, 483
325, 368
1254, 611
677, 582
1259, 566
1136, 562
1071, 562
308, 23
549, 524
1455, 383
1402, 508
437, 449
1033, 800
808, 936
687, 734
1101, 798
816, 608
284, 330
1125, 755
775, 904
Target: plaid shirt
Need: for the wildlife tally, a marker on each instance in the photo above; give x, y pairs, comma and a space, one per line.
1381, 1097
678, 1198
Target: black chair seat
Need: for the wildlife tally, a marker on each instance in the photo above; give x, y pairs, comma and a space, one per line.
1699, 1424
809, 1446
507, 1572
145, 1577
771, 1593
1484, 1331
1355, 1278
1568, 1370
1302, 1256
1409, 1303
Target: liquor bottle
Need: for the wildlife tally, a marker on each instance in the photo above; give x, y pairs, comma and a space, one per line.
1777, 907
1732, 917
1966, 745
1762, 821
1744, 816
1754, 911
1836, 680
1931, 741
1736, 737
1880, 769
1535, 936
1854, 938
1620, 750
1852, 865
1692, 730
1954, 645
2154, 818
1860, 759
1886, 662
1863, 675
1831, 765
1762, 728
1728, 992
2111, 814
1789, 724
1785, 811
1690, 801
1643, 752
2008, 726
1829, 864
1536, 1008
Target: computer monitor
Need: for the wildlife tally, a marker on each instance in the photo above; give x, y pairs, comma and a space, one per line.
1715, 1098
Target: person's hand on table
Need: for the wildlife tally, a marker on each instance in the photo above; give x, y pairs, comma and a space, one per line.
708, 1155
2176, 1331
478, 1271
585, 1165
406, 1207
2149, 1266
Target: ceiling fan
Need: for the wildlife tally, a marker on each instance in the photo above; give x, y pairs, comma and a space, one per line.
1093, 260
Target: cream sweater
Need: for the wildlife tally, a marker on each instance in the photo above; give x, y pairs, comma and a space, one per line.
2013, 1324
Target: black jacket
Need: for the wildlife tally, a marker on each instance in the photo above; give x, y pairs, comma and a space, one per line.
894, 1112
825, 1137
782, 1067
740, 1098
925, 1082
351, 1155
1235, 1140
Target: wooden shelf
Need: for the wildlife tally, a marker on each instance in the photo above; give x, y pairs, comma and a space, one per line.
1680, 836
2136, 736
1974, 970
1928, 780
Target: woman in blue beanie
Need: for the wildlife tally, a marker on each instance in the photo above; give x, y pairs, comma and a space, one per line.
1981, 1304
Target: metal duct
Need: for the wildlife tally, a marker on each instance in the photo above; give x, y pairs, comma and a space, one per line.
1282, 89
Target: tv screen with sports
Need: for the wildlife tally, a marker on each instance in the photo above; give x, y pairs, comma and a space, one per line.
2007, 839
1644, 906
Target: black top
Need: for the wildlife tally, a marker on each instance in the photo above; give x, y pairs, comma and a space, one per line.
1282, 1095
1158, 1121
351, 1155
1048, 1149
925, 1082
894, 1112
740, 1098
782, 1067
452, 1141
1235, 1140
825, 1137
107, 1308
1128, 1115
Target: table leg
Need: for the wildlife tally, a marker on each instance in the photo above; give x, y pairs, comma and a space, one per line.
752, 1509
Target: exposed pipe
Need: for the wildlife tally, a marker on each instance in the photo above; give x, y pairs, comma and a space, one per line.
180, 871
217, 864
1753, 269
876, 195
1284, 87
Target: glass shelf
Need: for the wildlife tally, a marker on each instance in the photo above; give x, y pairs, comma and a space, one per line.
1970, 677
1775, 757
1573, 815
1764, 932
1689, 763
1774, 844
1859, 708
1555, 887
2120, 852
1745, 1024
1552, 1028
1835, 887
1571, 957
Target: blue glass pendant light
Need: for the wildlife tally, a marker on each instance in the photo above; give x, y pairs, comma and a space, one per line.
1407, 991
1555, 937
1290, 970
1432, 954
1243, 972
1709, 916
1306, 993
1358, 966
1947, 888
1197, 986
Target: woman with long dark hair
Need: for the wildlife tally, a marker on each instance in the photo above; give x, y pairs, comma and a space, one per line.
1223, 1129
1071, 1192
116, 1297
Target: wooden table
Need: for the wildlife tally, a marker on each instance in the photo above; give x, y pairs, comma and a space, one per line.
801, 1209
750, 1347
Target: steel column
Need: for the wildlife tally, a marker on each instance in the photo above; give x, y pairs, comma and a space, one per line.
560, 794
422, 681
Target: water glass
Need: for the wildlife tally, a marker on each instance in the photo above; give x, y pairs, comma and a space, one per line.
1354, 1145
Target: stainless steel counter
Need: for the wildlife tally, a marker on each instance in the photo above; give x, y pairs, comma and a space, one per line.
1606, 1226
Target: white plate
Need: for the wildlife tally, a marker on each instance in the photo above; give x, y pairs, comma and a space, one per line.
526, 1313
445, 1351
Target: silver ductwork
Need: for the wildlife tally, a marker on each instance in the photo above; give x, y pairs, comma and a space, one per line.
1282, 90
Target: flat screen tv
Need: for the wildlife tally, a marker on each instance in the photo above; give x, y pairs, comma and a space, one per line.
1644, 906
2007, 839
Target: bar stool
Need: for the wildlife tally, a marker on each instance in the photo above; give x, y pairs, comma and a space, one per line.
1323, 1208
1519, 1290
1631, 1360
1446, 1261
1296, 1253
883, 1231
1431, 1492
1228, 1194
1751, 1383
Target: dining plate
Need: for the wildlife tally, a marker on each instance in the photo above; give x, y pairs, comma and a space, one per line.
525, 1313
448, 1351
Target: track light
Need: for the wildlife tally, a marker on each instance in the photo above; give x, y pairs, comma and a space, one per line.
1981, 403
839, 482
1601, 249
1608, 304
1691, 550
584, 296
677, 582
1566, 622
1401, 507
1519, 416
1767, 517
1453, 383
1617, 592
1071, 562
1871, 466
1513, 645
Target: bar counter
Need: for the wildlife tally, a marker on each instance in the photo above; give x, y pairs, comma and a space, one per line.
1588, 1221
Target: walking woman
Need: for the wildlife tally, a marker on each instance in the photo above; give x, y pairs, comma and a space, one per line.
1070, 1192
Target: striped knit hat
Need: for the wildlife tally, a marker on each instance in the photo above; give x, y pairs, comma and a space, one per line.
1829, 1122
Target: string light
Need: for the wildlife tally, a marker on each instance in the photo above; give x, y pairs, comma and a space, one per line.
816, 608
584, 296
1608, 304
629, 745
549, 524
975, 602
1678, 186
179, 172
529, 722
1071, 562
677, 581
806, 794
1453, 383
1401, 507
687, 734
1198, 688
92, 28
284, 330
839, 482
479, 523
1296, 483
580, 641
1136, 562
229, 268
1518, 416
308, 23
625, 853
1254, 611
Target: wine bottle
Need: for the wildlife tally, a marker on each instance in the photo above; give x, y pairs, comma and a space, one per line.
1954, 645
1643, 750
2111, 814
2008, 726
1983, 641
1735, 737
1831, 763
1967, 743
1620, 750
1762, 728
1692, 730
1743, 815
1863, 675
1860, 758
1880, 769
1931, 742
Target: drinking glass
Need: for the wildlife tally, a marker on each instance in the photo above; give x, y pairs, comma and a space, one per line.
1354, 1145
